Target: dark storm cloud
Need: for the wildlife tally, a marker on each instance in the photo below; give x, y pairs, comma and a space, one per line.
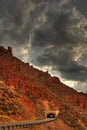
54, 30
62, 30
14, 20
63, 62
20, 19
75, 72
81, 5
11, 11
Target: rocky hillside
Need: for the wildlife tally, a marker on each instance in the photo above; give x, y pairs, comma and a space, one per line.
26, 93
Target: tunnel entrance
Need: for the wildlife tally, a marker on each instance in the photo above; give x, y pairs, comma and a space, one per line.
51, 115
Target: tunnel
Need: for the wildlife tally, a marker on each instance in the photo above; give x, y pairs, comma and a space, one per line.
51, 115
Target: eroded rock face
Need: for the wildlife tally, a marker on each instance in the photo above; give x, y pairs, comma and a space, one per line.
81, 102
37, 92
6, 51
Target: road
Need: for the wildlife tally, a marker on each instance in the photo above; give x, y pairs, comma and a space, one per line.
24, 124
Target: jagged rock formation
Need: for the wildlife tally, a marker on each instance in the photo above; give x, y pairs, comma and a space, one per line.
37, 92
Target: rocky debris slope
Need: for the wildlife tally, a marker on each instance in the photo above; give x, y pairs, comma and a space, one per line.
27, 92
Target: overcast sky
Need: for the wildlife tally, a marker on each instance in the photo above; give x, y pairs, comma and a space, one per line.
50, 34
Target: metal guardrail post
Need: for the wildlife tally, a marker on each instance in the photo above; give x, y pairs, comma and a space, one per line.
3, 128
24, 124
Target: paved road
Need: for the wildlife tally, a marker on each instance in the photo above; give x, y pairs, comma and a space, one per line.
24, 124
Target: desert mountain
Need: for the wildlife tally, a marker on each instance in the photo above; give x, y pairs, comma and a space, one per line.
26, 93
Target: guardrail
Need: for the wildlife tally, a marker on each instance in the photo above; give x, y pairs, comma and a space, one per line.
24, 124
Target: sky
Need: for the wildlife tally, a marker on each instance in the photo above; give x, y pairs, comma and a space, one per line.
49, 34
